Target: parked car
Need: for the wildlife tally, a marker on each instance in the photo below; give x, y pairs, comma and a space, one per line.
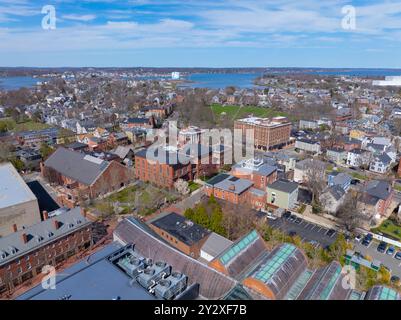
398, 255
331, 232
292, 233
367, 240
390, 250
382, 247
292, 218
298, 220
269, 215
358, 238
286, 215
395, 280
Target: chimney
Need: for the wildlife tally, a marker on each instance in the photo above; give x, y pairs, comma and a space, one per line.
14, 227
45, 215
24, 237
83, 212
56, 224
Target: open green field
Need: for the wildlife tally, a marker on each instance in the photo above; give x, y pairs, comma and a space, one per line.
237, 112
11, 125
388, 227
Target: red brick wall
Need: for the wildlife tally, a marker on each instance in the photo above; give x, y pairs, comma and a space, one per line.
46, 255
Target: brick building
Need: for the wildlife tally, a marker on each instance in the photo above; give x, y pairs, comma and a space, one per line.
24, 253
186, 236
268, 133
163, 166
82, 177
147, 123
236, 191
256, 170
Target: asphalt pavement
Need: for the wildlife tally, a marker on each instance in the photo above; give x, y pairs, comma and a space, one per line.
312, 232
305, 230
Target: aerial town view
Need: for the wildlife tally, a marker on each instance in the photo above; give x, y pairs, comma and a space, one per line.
200, 150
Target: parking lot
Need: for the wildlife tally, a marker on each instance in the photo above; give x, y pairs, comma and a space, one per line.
388, 260
305, 230
311, 232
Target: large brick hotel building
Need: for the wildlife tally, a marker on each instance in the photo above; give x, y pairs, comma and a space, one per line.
269, 133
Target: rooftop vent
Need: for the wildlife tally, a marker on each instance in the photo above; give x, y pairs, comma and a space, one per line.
13, 250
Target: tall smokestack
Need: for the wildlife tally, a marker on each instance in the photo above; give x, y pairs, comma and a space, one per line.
24, 237
56, 224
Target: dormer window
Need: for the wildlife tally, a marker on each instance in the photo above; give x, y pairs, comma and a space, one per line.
50, 234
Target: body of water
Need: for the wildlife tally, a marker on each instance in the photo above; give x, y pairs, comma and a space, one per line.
15, 83
340, 72
221, 80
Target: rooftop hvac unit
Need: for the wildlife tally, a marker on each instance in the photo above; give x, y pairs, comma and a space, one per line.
171, 286
151, 275
132, 265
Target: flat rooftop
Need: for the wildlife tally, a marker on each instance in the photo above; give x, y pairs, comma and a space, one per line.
13, 189
95, 278
182, 229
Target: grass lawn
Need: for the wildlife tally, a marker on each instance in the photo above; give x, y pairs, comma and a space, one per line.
125, 195
193, 186
24, 126
358, 176
237, 112
388, 227
397, 187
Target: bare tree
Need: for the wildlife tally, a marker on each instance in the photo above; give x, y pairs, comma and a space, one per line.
349, 212
314, 178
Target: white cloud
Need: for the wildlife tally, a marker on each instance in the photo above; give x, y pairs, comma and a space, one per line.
77, 17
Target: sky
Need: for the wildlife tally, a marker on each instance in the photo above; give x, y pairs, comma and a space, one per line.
201, 33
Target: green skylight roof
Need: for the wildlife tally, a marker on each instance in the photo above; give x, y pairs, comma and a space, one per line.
388, 294
238, 247
330, 285
269, 269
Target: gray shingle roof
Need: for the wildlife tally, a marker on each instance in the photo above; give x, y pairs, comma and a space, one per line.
234, 184
75, 165
283, 185
41, 233
336, 191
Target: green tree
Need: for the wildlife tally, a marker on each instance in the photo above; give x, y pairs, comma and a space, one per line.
45, 150
216, 221
18, 164
189, 213
201, 217
336, 250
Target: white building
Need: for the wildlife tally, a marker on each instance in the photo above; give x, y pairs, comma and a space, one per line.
389, 81
18, 205
175, 76
358, 157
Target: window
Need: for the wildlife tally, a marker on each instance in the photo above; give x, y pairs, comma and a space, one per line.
28, 265
273, 197
19, 262
19, 270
